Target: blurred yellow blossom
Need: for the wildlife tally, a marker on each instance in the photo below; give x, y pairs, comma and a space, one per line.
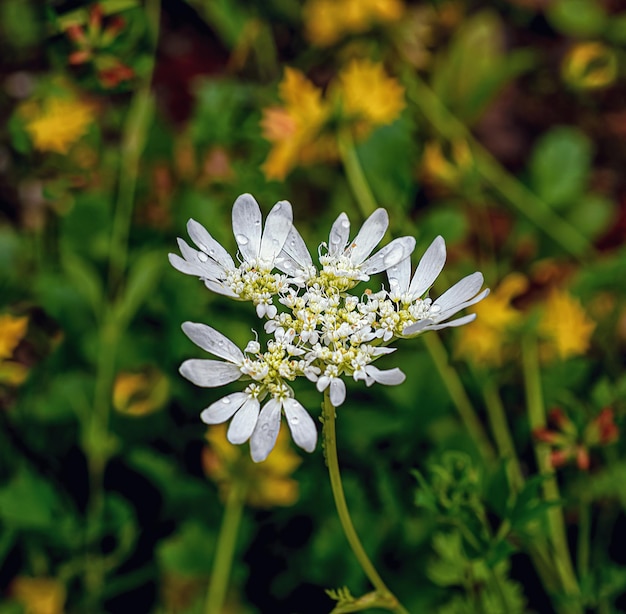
39, 595
58, 123
447, 170
268, 483
590, 65
12, 331
369, 94
293, 129
484, 340
138, 394
327, 21
565, 325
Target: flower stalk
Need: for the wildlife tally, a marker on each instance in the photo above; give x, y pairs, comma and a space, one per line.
385, 598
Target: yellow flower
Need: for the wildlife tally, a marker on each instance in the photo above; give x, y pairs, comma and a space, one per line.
369, 95
268, 483
59, 123
565, 325
327, 21
39, 595
293, 128
138, 394
12, 330
484, 340
590, 66
449, 170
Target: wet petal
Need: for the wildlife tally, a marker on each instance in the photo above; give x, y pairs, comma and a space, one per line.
247, 226
242, 425
339, 235
205, 242
369, 236
189, 268
399, 275
213, 341
429, 267
266, 431
295, 248
337, 391
460, 292
301, 425
277, 226
220, 288
208, 268
389, 377
443, 315
390, 255
209, 373
222, 410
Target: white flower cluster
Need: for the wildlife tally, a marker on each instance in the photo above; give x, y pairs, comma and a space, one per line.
318, 329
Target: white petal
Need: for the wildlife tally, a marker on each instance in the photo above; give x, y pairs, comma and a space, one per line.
428, 268
390, 255
247, 226
243, 423
443, 315
222, 410
189, 268
337, 391
220, 288
399, 275
208, 268
213, 341
339, 235
458, 322
296, 249
277, 227
201, 237
322, 383
460, 292
369, 236
389, 377
209, 373
301, 425
266, 431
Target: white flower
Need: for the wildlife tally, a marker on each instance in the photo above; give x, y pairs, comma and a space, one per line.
463, 294
249, 421
253, 279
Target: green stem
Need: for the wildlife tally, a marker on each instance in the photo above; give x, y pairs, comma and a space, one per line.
510, 189
385, 597
458, 395
225, 549
537, 419
584, 539
502, 434
354, 172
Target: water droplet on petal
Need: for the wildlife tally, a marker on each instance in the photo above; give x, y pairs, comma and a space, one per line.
265, 427
211, 252
242, 239
226, 401
294, 420
202, 246
278, 206
202, 257
257, 222
345, 223
220, 343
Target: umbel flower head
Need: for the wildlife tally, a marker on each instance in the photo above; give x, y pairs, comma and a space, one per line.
318, 329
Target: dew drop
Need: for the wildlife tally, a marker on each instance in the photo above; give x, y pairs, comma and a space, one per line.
202, 257
294, 420
278, 206
265, 427
211, 252
345, 223
220, 343
226, 401
242, 239
203, 247
257, 222
292, 242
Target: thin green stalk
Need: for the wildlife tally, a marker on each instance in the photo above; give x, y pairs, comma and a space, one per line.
354, 172
528, 204
584, 539
537, 419
225, 549
501, 433
97, 440
385, 597
458, 395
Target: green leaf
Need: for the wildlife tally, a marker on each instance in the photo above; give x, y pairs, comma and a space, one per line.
85, 279
29, 502
188, 552
388, 159
592, 215
577, 17
142, 279
559, 166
